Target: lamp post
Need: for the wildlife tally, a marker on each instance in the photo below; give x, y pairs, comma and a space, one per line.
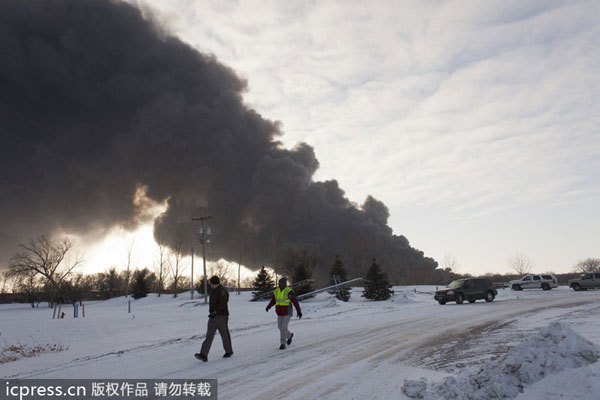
202, 232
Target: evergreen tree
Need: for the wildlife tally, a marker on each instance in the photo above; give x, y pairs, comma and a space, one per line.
302, 273
108, 284
200, 286
140, 286
338, 271
263, 282
377, 286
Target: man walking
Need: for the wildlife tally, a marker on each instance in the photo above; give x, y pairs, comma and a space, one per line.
282, 298
218, 319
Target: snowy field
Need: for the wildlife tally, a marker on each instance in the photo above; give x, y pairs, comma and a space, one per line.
525, 345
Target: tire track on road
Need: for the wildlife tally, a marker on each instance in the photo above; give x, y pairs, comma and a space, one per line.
377, 344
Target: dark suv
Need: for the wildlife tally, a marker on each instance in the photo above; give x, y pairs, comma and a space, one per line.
470, 289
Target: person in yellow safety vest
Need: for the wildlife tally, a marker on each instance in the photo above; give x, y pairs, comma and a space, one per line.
283, 297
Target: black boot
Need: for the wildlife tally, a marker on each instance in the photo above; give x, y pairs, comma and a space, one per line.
282, 347
201, 357
289, 341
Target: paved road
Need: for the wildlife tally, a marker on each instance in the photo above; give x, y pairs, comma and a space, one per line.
363, 360
360, 352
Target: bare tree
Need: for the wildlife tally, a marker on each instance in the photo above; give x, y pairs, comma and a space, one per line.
29, 286
220, 269
46, 257
238, 240
127, 277
588, 266
24, 283
521, 264
359, 250
450, 263
176, 266
161, 267
6, 282
287, 259
247, 282
297, 262
291, 256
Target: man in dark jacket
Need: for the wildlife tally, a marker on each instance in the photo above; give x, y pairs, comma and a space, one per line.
218, 318
283, 297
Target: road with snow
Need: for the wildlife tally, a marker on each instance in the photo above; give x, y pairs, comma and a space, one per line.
340, 350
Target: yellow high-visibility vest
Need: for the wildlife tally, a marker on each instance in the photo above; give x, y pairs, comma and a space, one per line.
282, 296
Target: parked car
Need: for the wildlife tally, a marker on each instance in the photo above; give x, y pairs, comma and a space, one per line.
471, 289
585, 282
543, 281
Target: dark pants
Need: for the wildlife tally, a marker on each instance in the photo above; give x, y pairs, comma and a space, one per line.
217, 323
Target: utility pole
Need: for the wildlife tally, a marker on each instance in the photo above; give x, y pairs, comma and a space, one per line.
239, 248
239, 269
202, 233
192, 276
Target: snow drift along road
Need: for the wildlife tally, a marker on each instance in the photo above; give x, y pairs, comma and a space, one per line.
358, 349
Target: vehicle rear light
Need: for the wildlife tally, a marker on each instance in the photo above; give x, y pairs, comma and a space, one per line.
553, 280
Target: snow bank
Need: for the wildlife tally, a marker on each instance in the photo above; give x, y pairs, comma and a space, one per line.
580, 383
555, 349
404, 297
331, 302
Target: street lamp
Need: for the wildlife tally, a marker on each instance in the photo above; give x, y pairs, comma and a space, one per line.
203, 233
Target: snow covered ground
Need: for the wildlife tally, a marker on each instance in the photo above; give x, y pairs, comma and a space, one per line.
524, 345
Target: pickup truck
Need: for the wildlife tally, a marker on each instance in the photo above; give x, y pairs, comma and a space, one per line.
585, 282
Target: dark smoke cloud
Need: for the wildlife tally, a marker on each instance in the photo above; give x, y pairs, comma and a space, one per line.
97, 101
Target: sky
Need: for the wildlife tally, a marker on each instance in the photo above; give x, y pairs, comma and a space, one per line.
465, 127
139, 247
475, 122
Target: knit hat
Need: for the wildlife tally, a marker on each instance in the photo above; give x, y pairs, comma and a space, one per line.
215, 280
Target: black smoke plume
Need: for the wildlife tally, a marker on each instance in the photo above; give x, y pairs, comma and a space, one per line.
98, 103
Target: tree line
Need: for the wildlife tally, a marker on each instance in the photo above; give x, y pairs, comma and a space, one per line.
375, 282
43, 271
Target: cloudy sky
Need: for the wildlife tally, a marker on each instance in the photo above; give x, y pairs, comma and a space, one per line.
475, 122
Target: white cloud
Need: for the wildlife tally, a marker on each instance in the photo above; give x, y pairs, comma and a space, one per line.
470, 110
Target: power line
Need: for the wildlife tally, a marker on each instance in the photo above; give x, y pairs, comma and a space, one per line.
24, 189
46, 130
81, 169
37, 146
